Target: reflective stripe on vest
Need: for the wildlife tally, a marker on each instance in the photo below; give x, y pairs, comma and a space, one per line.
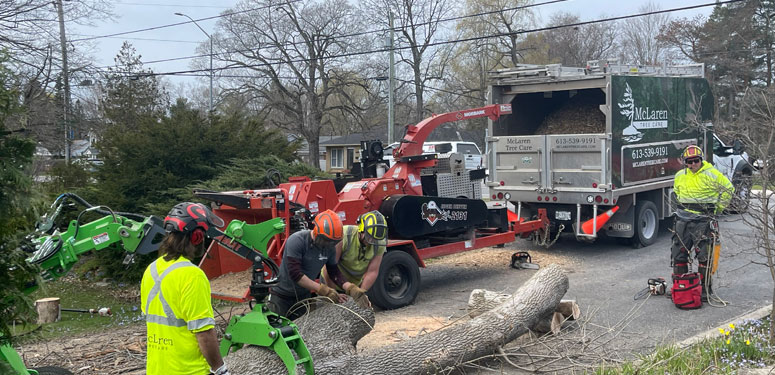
170, 319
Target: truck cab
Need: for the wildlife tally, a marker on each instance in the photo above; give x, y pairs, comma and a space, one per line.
733, 162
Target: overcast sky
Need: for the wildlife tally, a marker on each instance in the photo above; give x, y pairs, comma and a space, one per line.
182, 40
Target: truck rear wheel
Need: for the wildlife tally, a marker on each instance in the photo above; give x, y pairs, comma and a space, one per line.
50, 370
646, 224
398, 281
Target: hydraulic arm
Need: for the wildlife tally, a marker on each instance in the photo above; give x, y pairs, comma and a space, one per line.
261, 327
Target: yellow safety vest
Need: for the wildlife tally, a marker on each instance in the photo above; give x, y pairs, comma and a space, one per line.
176, 304
355, 261
707, 186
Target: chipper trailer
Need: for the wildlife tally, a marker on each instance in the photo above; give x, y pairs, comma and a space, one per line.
433, 207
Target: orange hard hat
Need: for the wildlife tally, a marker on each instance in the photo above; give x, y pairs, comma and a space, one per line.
329, 225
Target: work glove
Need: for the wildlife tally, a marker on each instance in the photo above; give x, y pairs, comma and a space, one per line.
359, 296
223, 370
325, 291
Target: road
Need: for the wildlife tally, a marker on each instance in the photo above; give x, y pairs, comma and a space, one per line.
604, 277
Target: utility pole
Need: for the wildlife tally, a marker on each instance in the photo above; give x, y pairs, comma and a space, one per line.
65, 77
211, 56
391, 82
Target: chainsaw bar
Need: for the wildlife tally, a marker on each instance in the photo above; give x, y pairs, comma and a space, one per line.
522, 260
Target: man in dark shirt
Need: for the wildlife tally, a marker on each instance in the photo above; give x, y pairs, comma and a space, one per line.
305, 254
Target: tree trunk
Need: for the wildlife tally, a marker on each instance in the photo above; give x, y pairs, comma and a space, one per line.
48, 310
331, 332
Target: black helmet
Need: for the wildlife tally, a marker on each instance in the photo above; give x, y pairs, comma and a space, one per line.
187, 216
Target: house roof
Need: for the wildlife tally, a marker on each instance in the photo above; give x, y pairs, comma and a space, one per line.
440, 134
304, 148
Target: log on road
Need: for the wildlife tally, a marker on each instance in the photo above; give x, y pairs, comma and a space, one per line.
482, 300
331, 341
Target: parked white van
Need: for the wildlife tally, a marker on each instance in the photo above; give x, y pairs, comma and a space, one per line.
469, 150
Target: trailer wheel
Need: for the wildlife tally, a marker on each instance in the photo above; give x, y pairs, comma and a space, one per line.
398, 281
50, 370
646, 224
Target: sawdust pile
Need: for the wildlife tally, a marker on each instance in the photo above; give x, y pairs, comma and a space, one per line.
579, 115
395, 326
234, 284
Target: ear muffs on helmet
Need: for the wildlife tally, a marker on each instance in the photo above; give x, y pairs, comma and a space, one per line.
193, 219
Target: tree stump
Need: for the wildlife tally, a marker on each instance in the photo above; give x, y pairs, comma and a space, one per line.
569, 309
330, 333
48, 310
552, 323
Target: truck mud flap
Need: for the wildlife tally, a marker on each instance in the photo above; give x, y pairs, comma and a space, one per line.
412, 216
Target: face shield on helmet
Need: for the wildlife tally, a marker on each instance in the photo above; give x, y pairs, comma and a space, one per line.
373, 227
328, 229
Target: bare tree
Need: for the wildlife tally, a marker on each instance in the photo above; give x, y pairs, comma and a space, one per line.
756, 130
419, 27
575, 45
639, 42
295, 56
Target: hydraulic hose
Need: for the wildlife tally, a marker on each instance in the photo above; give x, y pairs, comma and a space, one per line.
99, 210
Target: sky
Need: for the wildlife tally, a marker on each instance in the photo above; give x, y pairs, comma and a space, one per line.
183, 40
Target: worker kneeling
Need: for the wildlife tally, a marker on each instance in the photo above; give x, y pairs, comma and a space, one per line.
306, 252
359, 255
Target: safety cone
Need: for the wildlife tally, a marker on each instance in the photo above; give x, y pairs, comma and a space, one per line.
601, 220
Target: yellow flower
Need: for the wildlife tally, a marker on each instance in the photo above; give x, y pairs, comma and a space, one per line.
731, 326
721, 330
748, 342
727, 332
727, 341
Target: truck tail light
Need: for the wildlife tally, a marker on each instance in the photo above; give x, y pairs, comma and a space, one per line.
494, 196
500, 195
594, 184
605, 200
554, 199
547, 198
539, 198
598, 199
503, 183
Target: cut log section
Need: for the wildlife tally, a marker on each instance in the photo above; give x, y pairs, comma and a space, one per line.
330, 333
482, 300
48, 310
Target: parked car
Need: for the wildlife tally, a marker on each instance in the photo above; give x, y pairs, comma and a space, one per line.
470, 151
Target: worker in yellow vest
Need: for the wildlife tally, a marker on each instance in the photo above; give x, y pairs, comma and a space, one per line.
359, 255
702, 192
176, 299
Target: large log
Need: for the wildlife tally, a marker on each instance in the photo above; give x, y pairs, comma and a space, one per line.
482, 300
331, 333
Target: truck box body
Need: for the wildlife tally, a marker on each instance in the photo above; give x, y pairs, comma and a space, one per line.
581, 137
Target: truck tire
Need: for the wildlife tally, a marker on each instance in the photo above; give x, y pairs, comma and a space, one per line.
646, 224
398, 281
50, 370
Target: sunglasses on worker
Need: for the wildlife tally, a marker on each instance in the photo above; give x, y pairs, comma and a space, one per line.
693, 160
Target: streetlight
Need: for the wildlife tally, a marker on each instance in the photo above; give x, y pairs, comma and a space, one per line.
211, 56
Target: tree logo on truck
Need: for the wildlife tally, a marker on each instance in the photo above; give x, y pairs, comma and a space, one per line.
641, 118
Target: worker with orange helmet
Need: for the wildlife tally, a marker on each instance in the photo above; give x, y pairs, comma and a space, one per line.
702, 192
306, 252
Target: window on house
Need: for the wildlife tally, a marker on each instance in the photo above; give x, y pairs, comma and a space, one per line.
337, 158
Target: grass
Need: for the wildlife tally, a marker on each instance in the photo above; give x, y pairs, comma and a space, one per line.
82, 295
736, 347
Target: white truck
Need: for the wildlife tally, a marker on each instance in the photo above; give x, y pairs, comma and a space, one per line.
581, 141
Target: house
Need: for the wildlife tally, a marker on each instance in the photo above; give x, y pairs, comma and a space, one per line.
303, 151
343, 152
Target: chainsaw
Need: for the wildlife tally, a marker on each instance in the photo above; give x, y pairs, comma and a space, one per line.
522, 260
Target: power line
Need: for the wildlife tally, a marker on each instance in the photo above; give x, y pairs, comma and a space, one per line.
289, 2
288, 44
145, 39
359, 53
173, 5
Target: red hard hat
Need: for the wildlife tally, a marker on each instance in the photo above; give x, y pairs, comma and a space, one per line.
187, 216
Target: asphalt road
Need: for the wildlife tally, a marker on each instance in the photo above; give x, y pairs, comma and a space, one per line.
604, 277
